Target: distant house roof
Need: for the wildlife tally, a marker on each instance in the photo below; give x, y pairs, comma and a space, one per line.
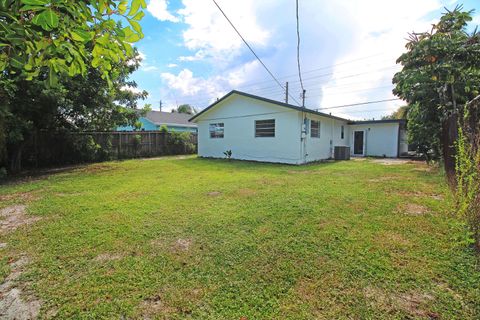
286, 105
169, 118
379, 121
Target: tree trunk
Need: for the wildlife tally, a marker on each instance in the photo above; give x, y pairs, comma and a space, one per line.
449, 136
15, 163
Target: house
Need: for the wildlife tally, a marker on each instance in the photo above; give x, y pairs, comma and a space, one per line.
260, 129
153, 120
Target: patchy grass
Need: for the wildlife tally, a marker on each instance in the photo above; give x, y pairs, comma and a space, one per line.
194, 238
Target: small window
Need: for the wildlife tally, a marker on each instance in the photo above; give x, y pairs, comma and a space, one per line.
314, 129
264, 128
342, 134
216, 130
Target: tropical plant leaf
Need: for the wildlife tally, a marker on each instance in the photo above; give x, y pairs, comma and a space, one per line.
35, 2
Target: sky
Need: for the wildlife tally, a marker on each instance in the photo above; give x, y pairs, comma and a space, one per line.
348, 50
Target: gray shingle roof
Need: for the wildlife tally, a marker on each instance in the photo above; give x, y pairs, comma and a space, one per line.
169, 118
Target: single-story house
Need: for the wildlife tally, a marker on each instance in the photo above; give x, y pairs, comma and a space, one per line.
260, 129
153, 120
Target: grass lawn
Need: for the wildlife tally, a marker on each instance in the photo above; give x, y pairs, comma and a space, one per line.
212, 239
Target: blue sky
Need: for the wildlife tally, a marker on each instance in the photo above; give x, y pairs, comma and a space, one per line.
348, 50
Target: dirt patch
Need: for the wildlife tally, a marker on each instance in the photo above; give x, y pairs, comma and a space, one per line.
392, 238
2, 245
182, 244
20, 196
97, 168
15, 216
381, 179
246, 192
391, 161
104, 257
412, 209
14, 304
419, 194
413, 303
214, 193
154, 306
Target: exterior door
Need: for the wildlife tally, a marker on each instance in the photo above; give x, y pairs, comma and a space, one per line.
358, 142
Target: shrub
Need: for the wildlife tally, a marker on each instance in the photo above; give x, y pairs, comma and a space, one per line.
180, 142
467, 168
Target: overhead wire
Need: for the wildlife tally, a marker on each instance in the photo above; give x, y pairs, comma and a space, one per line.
254, 53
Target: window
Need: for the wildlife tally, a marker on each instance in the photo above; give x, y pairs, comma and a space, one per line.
342, 135
264, 128
216, 130
314, 129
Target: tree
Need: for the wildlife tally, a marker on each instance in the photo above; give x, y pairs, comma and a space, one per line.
49, 46
441, 72
185, 108
400, 113
80, 103
46, 38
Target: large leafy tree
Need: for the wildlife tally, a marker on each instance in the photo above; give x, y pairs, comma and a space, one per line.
80, 103
55, 37
441, 72
63, 64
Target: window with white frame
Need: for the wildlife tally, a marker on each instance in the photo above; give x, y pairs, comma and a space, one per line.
264, 128
216, 130
314, 129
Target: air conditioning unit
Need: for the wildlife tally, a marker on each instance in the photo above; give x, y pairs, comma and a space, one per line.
342, 153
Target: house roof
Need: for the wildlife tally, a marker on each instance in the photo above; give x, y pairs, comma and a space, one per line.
379, 121
171, 118
286, 105
278, 103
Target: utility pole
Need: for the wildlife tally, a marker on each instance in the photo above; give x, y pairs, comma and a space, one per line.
286, 92
303, 98
161, 105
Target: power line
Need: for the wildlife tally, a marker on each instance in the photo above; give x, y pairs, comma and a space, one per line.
256, 56
298, 49
252, 84
358, 104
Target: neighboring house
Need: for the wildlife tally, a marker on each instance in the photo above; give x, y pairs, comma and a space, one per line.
260, 129
153, 120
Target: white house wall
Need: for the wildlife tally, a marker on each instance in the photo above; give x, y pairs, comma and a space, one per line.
380, 139
330, 130
238, 114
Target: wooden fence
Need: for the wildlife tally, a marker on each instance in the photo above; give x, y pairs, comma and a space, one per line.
52, 149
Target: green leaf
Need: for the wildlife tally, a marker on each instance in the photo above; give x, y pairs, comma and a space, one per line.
31, 8
47, 19
138, 16
136, 26
135, 7
122, 7
52, 78
81, 35
36, 2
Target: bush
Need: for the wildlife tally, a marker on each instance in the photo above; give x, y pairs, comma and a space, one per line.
467, 168
180, 143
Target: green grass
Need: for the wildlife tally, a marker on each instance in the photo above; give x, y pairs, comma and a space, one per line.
260, 241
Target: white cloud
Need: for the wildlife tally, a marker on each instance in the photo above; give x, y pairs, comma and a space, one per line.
199, 55
208, 30
131, 89
172, 65
376, 29
158, 8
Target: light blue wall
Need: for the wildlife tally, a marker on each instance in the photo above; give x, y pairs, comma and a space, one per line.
147, 125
